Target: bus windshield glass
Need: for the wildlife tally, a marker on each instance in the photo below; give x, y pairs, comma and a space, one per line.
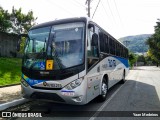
36, 46
68, 44
65, 47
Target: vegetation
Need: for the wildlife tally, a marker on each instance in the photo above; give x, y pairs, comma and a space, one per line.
149, 60
21, 23
16, 22
154, 44
136, 43
132, 59
5, 24
10, 72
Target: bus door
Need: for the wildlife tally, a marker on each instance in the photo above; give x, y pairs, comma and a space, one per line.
93, 66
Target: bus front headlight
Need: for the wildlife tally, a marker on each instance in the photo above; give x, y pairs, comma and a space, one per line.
73, 84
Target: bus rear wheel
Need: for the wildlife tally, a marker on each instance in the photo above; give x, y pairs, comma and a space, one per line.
104, 89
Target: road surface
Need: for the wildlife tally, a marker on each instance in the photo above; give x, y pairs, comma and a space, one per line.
141, 92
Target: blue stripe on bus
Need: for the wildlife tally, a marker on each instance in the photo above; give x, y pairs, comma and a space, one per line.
32, 82
67, 91
123, 60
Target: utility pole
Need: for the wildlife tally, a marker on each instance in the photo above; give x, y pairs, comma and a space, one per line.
88, 2
126, 43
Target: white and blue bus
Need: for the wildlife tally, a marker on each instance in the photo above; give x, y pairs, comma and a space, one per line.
71, 61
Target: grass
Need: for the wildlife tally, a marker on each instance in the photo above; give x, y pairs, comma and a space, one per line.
10, 71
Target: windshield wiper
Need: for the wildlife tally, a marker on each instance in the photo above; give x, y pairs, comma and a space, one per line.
44, 44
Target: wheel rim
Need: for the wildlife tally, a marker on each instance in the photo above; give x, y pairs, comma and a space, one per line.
104, 89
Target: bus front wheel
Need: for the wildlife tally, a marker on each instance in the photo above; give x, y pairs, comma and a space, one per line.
104, 89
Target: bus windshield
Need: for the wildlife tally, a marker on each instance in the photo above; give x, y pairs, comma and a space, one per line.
35, 50
65, 48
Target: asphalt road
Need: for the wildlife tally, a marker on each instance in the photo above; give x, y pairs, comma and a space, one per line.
140, 92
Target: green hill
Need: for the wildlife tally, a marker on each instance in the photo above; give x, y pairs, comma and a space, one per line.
136, 43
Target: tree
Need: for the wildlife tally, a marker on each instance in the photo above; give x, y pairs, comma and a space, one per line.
5, 24
149, 60
21, 23
141, 58
154, 44
16, 22
132, 59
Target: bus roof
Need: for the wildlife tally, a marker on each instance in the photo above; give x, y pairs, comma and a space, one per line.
68, 20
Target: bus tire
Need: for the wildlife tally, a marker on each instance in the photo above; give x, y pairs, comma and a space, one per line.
123, 78
104, 89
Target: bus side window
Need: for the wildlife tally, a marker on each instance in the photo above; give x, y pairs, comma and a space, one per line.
92, 47
107, 44
102, 42
89, 47
110, 45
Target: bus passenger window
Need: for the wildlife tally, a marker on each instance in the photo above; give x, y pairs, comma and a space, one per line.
102, 42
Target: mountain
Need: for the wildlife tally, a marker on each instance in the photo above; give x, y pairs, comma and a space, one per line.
136, 43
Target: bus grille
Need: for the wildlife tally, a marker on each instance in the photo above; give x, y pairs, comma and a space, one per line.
47, 96
43, 88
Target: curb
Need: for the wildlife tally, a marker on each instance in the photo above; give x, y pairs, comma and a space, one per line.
9, 85
12, 103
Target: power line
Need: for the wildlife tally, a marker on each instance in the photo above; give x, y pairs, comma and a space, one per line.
104, 9
79, 3
96, 8
111, 11
66, 10
108, 17
117, 11
120, 18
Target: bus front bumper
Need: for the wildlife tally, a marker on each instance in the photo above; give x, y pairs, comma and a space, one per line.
76, 96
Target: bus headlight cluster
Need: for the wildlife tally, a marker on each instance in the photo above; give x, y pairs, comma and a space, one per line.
24, 82
74, 84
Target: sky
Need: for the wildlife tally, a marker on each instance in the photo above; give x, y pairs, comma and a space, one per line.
120, 18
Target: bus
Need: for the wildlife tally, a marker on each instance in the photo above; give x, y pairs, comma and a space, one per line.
71, 61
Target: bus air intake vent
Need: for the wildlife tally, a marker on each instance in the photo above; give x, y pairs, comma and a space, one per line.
47, 96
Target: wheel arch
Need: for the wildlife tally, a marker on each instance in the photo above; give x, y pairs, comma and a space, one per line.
107, 80
124, 71
106, 77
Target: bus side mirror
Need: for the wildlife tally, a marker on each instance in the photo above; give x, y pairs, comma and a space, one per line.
94, 40
90, 25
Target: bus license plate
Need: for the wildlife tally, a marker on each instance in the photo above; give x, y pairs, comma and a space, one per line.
68, 93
